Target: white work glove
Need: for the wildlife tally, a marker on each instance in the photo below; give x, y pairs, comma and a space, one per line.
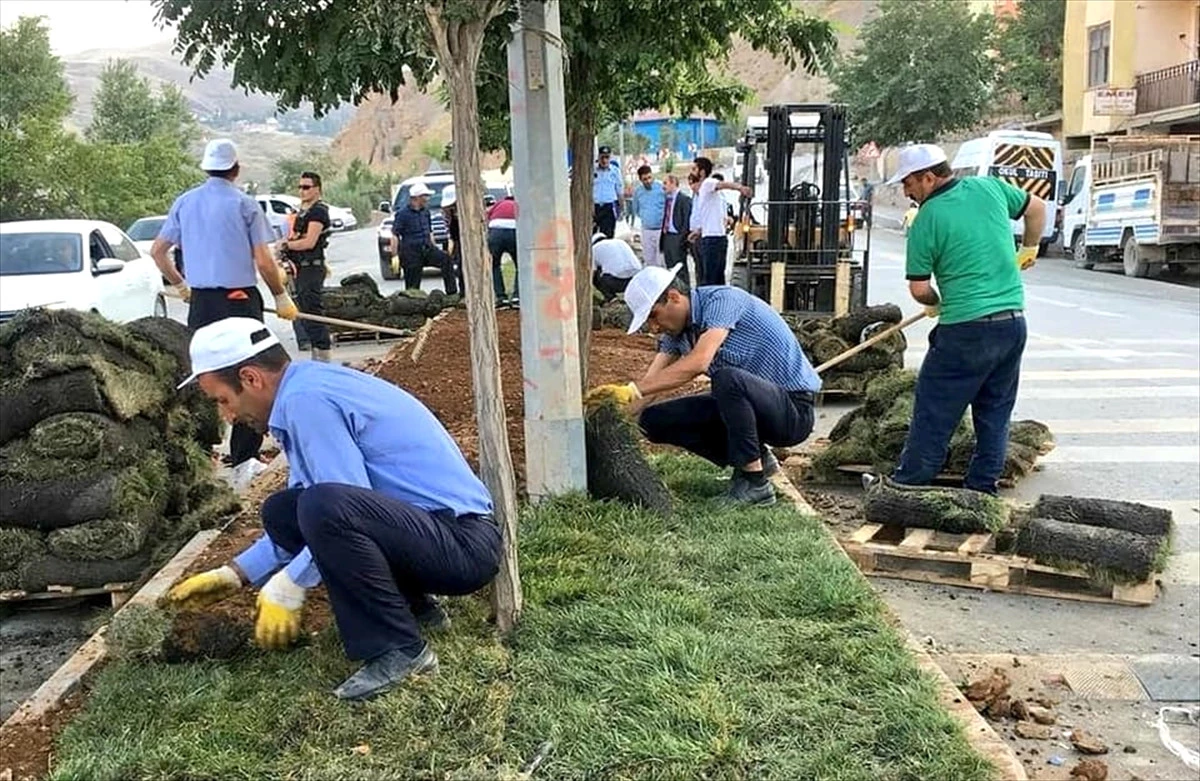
183, 291
285, 307
280, 606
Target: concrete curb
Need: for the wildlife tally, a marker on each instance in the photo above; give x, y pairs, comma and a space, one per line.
67, 677
978, 732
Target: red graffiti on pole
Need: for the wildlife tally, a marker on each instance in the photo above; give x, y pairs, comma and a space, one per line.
558, 298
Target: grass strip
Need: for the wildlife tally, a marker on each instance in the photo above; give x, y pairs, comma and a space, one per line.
718, 643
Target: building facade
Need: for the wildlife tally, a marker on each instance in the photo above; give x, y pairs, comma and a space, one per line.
1130, 66
682, 136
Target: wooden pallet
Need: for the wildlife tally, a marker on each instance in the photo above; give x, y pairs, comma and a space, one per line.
118, 593
971, 561
364, 336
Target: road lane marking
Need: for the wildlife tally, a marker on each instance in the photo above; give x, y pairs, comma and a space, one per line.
1123, 454
1120, 392
1125, 426
1109, 374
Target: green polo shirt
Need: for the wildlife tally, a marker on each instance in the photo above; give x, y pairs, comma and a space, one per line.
962, 238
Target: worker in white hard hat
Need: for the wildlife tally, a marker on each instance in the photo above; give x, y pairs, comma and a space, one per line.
763, 385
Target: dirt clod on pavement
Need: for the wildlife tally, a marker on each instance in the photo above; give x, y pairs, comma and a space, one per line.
1031, 731
1087, 744
1042, 715
983, 693
1090, 770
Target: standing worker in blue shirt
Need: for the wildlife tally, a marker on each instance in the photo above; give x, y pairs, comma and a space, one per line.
227, 239
607, 186
962, 239
412, 243
763, 385
381, 506
649, 203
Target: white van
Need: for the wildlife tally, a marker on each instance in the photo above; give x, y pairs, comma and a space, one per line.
1026, 159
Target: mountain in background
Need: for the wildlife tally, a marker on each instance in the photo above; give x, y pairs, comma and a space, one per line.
394, 137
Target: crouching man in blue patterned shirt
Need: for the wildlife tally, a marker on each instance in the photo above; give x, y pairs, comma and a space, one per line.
380, 506
762, 383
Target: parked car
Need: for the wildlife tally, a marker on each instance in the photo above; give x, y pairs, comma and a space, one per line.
145, 230
278, 207
89, 265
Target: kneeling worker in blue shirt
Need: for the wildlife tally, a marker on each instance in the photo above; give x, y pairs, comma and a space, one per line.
381, 506
762, 383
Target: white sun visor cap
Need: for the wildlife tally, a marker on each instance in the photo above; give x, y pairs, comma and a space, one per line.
227, 343
917, 157
220, 154
418, 190
645, 288
449, 196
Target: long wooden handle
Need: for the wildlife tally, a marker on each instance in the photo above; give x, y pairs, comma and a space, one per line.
383, 329
858, 348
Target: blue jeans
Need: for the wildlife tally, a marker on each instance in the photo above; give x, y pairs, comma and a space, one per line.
976, 364
500, 241
711, 268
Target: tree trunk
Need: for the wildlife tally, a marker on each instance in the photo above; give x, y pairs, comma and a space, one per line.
458, 45
581, 133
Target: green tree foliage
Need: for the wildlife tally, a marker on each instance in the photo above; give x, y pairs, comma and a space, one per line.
1030, 49
921, 69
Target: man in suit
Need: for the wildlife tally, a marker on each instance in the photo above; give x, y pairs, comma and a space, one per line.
677, 219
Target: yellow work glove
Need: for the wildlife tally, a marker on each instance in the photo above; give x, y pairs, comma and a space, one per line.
395, 265
205, 589
621, 394
933, 310
285, 307
183, 291
280, 606
1026, 258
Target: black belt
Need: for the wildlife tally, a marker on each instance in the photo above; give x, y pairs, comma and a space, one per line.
801, 396
1008, 314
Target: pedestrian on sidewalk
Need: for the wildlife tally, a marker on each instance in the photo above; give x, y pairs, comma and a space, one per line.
304, 248
649, 206
708, 216
228, 241
613, 265
502, 238
961, 239
412, 244
381, 507
607, 186
454, 231
763, 386
677, 218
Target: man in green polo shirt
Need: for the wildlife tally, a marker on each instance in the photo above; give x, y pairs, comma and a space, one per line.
961, 240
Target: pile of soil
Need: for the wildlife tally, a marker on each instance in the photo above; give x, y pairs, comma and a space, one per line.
441, 378
874, 433
824, 340
103, 464
357, 298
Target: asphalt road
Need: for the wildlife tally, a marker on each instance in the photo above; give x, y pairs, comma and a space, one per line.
1112, 365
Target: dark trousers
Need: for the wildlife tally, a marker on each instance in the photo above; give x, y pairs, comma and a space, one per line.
977, 364
380, 558
730, 424
605, 218
415, 259
711, 268
208, 305
609, 285
500, 241
310, 281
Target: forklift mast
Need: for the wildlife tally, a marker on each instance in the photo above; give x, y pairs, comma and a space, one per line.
792, 261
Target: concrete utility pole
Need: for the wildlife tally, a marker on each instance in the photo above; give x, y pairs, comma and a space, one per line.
554, 451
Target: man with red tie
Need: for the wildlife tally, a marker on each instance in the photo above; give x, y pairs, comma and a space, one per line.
677, 217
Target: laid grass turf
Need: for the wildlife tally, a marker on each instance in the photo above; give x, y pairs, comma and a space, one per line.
715, 644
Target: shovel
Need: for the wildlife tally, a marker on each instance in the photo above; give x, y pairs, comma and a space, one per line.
878, 337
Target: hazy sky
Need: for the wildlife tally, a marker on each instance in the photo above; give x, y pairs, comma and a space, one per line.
79, 25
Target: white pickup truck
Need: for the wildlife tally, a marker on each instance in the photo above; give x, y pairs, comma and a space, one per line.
1135, 200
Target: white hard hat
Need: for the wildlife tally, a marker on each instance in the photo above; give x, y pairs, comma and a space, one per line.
917, 157
449, 196
220, 154
419, 189
645, 288
227, 343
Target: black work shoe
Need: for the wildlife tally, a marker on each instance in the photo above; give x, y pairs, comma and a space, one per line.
743, 492
433, 619
386, 672
770, 463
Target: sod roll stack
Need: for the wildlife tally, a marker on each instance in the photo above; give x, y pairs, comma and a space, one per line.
823, 340
104, 466
357, 298
873, 435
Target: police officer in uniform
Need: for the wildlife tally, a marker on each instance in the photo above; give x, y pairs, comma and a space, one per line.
228, 240
305, 250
